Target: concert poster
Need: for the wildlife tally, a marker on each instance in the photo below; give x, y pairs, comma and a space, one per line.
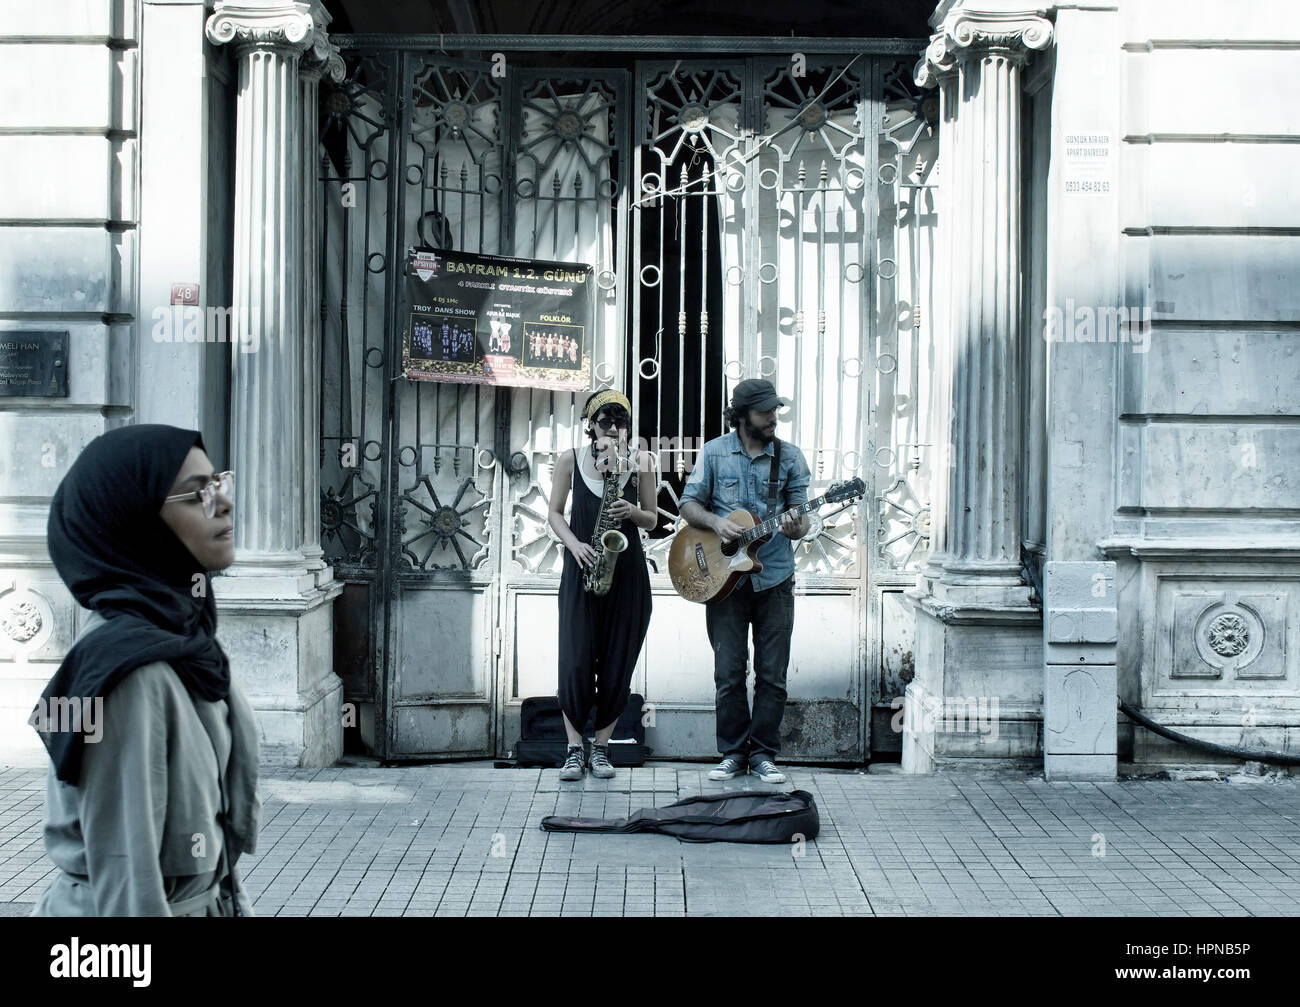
492, 319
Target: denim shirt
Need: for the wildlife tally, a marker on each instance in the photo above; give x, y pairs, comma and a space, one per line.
725, 479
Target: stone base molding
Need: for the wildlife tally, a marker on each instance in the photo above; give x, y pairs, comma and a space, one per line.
281, 650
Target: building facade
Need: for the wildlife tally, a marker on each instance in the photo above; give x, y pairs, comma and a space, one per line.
1029, 279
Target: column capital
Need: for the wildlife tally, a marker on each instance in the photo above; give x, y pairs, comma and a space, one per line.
275, 24
970, 33
321, 59
936, 63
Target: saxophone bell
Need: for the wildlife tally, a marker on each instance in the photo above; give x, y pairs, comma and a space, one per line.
612, 543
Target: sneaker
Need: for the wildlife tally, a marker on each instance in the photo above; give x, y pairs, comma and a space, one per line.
732, 765
574, 765
765, 770
601, 767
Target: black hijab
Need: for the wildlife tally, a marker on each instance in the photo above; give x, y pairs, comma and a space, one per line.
119, 558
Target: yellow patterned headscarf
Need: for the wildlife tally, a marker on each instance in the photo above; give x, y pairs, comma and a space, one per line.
608, 396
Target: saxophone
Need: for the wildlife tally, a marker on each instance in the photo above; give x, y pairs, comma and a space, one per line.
606, 539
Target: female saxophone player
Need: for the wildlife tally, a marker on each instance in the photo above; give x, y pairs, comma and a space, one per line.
601, 635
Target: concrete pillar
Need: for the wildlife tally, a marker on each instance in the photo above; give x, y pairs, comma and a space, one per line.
1085, 461
978, 636
276, 612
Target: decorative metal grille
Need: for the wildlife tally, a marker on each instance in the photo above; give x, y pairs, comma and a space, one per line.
355, 134
569, 180
751, 222
902, 443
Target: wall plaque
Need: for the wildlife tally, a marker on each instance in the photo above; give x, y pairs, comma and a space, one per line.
33, 363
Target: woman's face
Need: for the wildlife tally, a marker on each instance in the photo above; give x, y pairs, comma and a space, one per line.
211, 540
605, 428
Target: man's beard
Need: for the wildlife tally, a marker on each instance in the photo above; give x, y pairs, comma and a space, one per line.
758, 433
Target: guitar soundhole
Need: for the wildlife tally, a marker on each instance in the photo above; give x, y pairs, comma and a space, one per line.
729, 548
700, 559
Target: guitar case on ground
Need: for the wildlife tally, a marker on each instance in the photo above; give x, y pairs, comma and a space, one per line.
542, 741
737, 816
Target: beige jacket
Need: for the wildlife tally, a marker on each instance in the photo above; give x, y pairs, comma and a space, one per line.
140, 834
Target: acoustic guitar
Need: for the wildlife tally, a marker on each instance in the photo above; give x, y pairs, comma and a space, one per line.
703, 568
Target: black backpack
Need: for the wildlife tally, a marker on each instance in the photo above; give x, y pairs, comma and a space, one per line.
542, 741
737, 816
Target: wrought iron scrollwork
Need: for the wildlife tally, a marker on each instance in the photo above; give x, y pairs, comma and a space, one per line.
346, 535
443, 527
355, 107
902, 443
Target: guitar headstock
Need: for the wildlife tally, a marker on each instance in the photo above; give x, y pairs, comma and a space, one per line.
847, 490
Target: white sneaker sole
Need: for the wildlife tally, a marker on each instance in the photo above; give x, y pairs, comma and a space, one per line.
715, 775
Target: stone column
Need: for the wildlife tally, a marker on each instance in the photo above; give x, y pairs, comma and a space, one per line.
983, 516
277, 621
938, 68
320, 59
266, 367
978, 637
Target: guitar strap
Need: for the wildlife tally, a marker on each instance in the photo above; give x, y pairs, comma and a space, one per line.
774, 478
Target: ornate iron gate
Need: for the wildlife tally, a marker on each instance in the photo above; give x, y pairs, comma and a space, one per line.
762, 206
427, 487
794, 169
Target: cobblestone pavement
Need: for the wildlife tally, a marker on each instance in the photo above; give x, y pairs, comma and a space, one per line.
463, 840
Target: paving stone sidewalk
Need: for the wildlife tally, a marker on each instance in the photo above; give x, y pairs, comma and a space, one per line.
463, 840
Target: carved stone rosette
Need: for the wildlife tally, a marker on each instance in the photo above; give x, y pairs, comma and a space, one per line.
26, 621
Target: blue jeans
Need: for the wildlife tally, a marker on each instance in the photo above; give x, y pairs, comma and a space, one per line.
771, 614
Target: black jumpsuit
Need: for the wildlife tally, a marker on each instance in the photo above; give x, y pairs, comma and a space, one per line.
600, 637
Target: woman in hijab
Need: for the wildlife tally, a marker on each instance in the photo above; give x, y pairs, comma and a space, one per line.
151, 794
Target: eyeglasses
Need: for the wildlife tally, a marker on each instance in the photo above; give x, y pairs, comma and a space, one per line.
606, 422
222, 482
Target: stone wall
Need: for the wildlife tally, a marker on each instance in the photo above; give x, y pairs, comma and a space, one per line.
118, 178
1190, 482
69, 141
1162, 245
1206, 485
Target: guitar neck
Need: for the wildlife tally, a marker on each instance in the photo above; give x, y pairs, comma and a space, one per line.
773, 523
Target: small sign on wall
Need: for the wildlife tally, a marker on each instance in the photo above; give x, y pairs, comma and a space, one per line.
34, 363
185, 293
1088, 163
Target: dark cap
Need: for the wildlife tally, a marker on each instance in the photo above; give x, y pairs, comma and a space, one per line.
756, 393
